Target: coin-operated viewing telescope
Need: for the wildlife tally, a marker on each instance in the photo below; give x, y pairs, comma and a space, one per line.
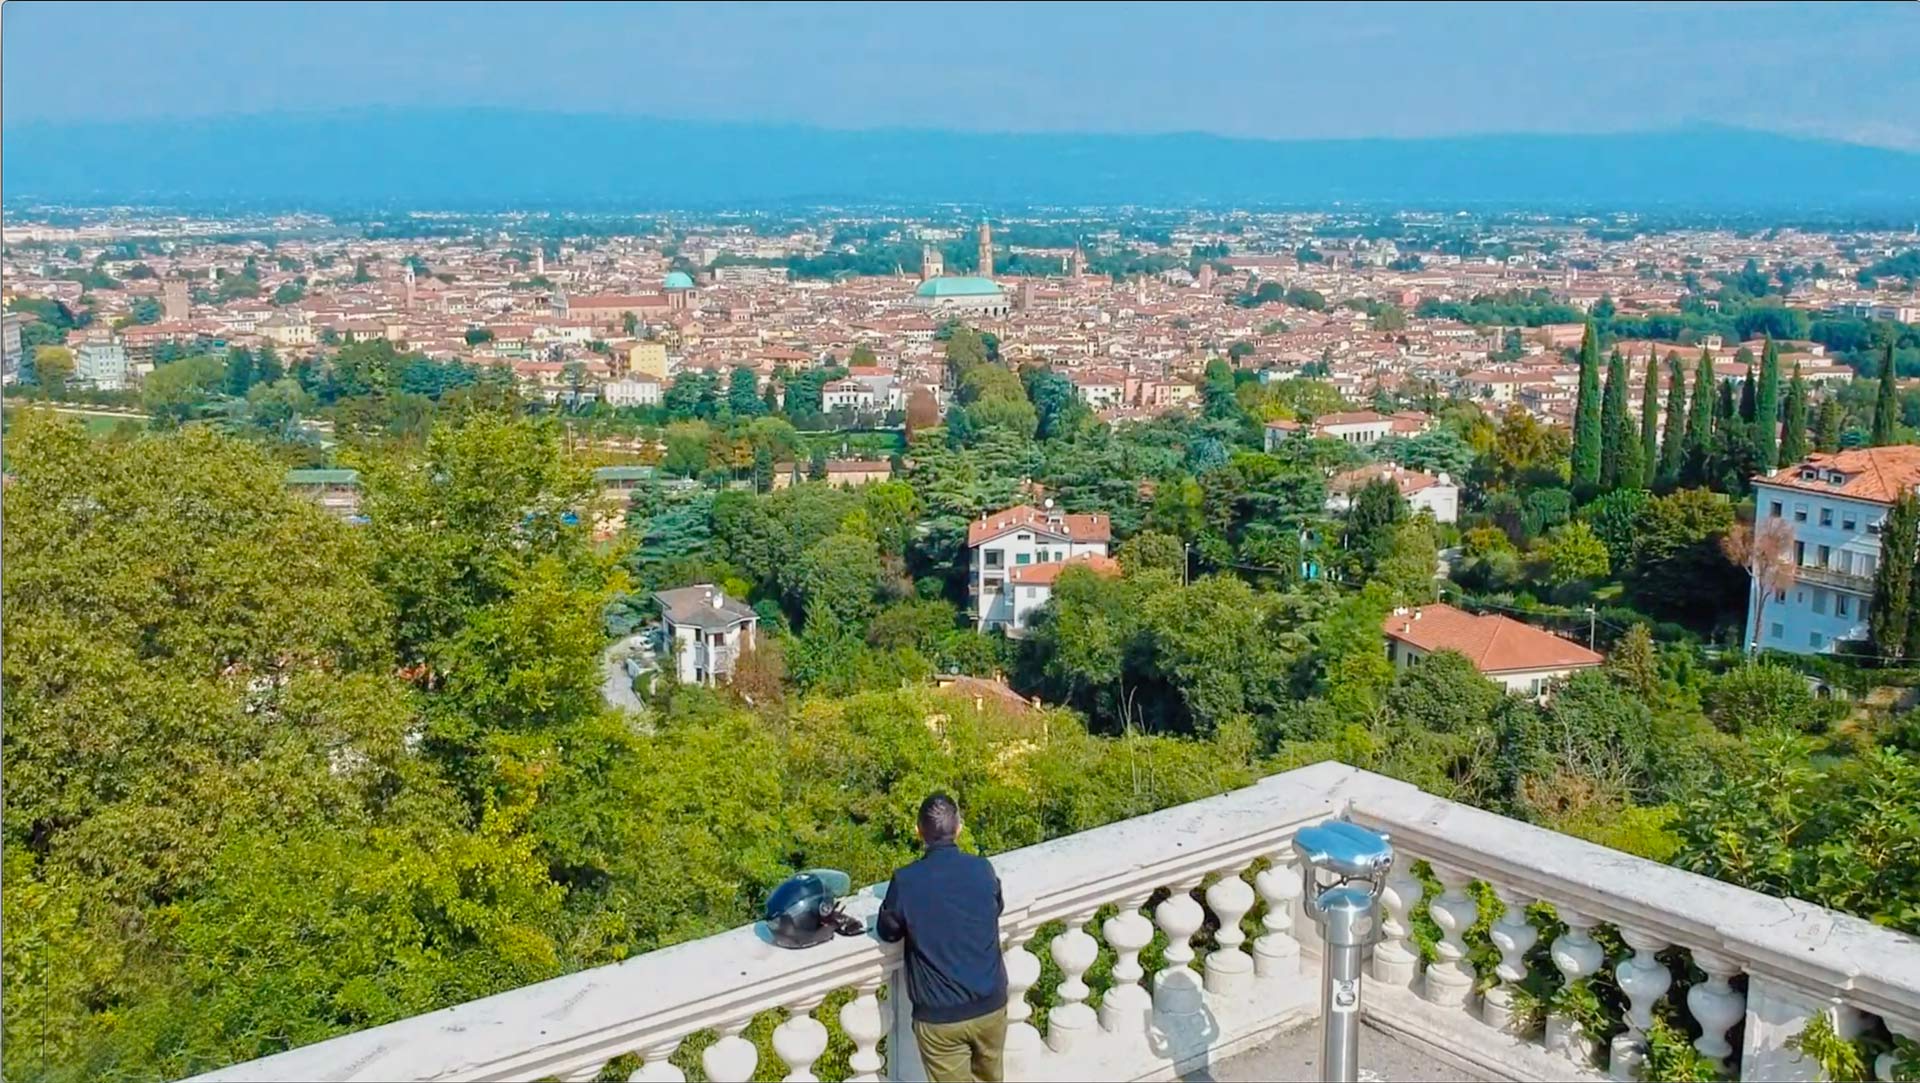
1358, 861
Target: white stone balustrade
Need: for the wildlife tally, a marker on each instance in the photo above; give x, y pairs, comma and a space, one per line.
1797, 960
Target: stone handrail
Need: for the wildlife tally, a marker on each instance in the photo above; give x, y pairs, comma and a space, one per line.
1798, 960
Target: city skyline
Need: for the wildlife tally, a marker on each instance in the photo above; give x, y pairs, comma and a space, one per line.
1320, 71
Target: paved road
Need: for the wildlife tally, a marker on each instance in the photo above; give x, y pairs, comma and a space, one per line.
615, 686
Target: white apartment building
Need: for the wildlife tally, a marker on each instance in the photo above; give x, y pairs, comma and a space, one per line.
705, 631
1836, 505
633, 390
1004, 543
102, 364
1437, 495
846, 394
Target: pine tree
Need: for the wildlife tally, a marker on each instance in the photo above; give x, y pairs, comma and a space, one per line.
1614, 432
1886, 407
1673, 439
1829, 426
1586, 414
1793, 432
1893, 582
1766, 408
1650, 420
1699, 422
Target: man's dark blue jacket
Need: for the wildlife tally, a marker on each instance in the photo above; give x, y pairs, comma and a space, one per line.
947, 906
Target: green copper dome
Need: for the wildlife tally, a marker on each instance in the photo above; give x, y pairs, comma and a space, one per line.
679, 280
967, 286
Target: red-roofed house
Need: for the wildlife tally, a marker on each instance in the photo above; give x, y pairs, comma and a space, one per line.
1030, 586
1023, 536
1836, 505
1521, 657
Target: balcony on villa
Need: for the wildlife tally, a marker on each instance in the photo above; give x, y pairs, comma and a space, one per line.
1749, 971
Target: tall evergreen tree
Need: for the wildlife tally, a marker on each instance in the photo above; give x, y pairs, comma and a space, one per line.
1893, 582
1699, 422
1614, 426
1886, 407
1650, 420
1586, 414
1793, 432
1673, 439
1746, 396
1766, 408
1829, 424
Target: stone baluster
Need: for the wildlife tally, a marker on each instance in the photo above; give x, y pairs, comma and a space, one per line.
1276, 954
1182, 1027
732, 1059
1450, 979
1644, 979
1072, 1020
1716, 1006
1395, 959
1023, 1039
1513, 936
1883, 1065
1229, 970
585, 1075
865, 1026
800, 1041
1127, 1009
656, 1063
1176, 988
1577, 956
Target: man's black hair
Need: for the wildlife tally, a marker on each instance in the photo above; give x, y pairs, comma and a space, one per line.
939, 819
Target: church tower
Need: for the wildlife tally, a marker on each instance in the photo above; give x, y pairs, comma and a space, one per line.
406, 276
986, 250
1079, 268
932, 263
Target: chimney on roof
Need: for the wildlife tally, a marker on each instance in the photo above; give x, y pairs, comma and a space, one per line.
1416, 612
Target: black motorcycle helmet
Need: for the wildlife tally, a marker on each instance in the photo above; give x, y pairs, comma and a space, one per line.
805, 910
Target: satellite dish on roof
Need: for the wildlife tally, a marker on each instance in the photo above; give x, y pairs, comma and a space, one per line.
1049, 503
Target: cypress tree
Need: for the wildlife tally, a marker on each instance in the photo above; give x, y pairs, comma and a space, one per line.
1893, 581
1650, 420
1673, 440
1793, 432
1830, 423
1887, 405
1613, 426
1766, 408
1746, 395
1699, 422
1586, 414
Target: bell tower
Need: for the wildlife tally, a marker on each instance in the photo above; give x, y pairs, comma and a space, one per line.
986, 249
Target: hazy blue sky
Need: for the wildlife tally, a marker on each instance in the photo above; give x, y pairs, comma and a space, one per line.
1297, 70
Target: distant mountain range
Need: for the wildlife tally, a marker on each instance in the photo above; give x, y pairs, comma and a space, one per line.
489, 159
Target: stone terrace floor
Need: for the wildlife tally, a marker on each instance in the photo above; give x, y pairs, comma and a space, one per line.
1295, 1055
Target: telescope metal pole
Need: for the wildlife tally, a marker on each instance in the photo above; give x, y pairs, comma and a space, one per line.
1346, 914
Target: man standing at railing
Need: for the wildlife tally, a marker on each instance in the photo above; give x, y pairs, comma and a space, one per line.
947, 907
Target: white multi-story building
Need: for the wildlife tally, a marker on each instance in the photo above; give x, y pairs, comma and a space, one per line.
706, 631
846, 394
1003, 543
101, 363
1436, 495
633, 390
1836, 505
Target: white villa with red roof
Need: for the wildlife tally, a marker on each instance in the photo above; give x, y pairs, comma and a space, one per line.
1507, 652
1836, 505
1019, 552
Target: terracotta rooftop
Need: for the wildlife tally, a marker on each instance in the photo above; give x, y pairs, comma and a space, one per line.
1875, 474
1494, 644
1028, 575
1080, 528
